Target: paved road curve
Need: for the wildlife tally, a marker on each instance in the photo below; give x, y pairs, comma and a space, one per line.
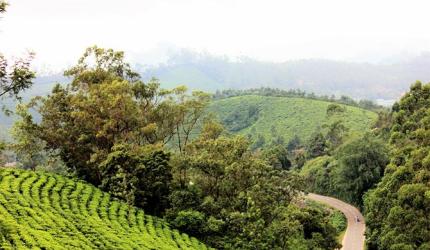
354, 235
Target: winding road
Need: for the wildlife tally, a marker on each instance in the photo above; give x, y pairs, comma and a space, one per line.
354, 235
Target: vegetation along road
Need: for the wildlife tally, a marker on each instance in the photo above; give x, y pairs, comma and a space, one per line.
354, 235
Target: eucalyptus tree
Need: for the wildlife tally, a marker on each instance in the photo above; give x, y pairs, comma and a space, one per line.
107, 104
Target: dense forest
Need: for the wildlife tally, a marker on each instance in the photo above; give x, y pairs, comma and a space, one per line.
385, 174
398, 209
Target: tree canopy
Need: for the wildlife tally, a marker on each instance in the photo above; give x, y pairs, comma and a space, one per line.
398, 209
236, 200
106, 104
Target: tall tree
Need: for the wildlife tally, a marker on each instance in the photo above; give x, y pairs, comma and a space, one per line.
107, 104
139, 175
361, 164
28, 148
190, 111
277, 156
336, 132
316, 145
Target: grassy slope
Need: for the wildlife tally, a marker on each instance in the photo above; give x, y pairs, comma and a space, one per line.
46, 211
290, 116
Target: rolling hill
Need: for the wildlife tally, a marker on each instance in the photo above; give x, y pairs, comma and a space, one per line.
46, 211
283, 116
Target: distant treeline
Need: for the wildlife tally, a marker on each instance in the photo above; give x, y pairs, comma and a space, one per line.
264, 91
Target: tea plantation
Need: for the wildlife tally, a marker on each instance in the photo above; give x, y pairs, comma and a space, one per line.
287, 116
46, 211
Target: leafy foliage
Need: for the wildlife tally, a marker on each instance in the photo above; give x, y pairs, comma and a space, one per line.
361, 164
317, 145
232, 199
398, 209
46, 211
335, 218
338, 220
16, 76
333, 109
278, 157
98, 65
140, 176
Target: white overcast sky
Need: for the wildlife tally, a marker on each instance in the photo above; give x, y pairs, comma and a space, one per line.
59, 30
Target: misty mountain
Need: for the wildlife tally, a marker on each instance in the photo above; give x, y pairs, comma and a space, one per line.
358, 80
42, 86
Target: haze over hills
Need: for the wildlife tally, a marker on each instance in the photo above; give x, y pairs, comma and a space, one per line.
386, 79
356, 79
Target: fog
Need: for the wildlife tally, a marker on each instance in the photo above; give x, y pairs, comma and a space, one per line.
275, 31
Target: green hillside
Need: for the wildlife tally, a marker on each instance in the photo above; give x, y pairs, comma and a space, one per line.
47, 211
192, 77
283, 116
